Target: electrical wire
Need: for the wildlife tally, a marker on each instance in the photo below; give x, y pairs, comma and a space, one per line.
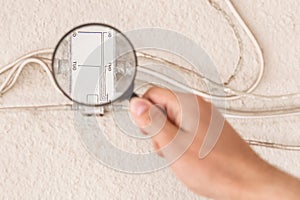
59, 107
41, 57
249, 35
273, 145
16, 71
230, 91
53, 107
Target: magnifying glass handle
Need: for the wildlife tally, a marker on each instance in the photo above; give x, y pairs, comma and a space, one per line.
134, 95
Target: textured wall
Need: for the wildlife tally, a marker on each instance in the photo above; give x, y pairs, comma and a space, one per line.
41, 155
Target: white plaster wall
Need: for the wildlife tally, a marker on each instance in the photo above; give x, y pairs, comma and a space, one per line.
41, 156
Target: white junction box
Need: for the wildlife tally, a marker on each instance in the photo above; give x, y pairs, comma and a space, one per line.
93, 60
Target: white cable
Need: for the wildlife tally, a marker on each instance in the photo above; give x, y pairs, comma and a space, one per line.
226, 89
15, 73
254, 42
260, 115
17, 66
227, 112
34, 53
35, 57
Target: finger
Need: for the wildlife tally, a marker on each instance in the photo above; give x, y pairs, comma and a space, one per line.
157, 148
169, 140
153, 121
182, 109
168, 100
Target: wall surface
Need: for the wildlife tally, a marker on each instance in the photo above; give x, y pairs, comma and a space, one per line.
41, 154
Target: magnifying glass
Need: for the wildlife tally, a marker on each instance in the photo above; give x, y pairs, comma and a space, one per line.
95, 65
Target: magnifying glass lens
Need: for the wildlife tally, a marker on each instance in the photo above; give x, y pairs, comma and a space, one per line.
94, 65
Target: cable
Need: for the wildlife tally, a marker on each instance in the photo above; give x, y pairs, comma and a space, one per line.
254, 42
273, 145
38, 107
228, 90
41, 57
31, 54
17, 69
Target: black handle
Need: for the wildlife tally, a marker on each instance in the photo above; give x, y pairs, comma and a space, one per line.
134, 95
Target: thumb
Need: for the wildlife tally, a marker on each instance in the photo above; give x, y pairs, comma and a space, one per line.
152, 121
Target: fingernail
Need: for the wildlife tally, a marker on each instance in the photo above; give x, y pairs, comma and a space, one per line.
138, 106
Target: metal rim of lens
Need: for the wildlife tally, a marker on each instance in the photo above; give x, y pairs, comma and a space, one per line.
62, 39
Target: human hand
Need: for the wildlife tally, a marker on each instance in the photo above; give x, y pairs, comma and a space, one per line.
231, 170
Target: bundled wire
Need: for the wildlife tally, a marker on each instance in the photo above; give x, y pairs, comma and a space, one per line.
41, 58
17, 66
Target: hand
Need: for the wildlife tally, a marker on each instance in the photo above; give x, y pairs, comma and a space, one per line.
231, 170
